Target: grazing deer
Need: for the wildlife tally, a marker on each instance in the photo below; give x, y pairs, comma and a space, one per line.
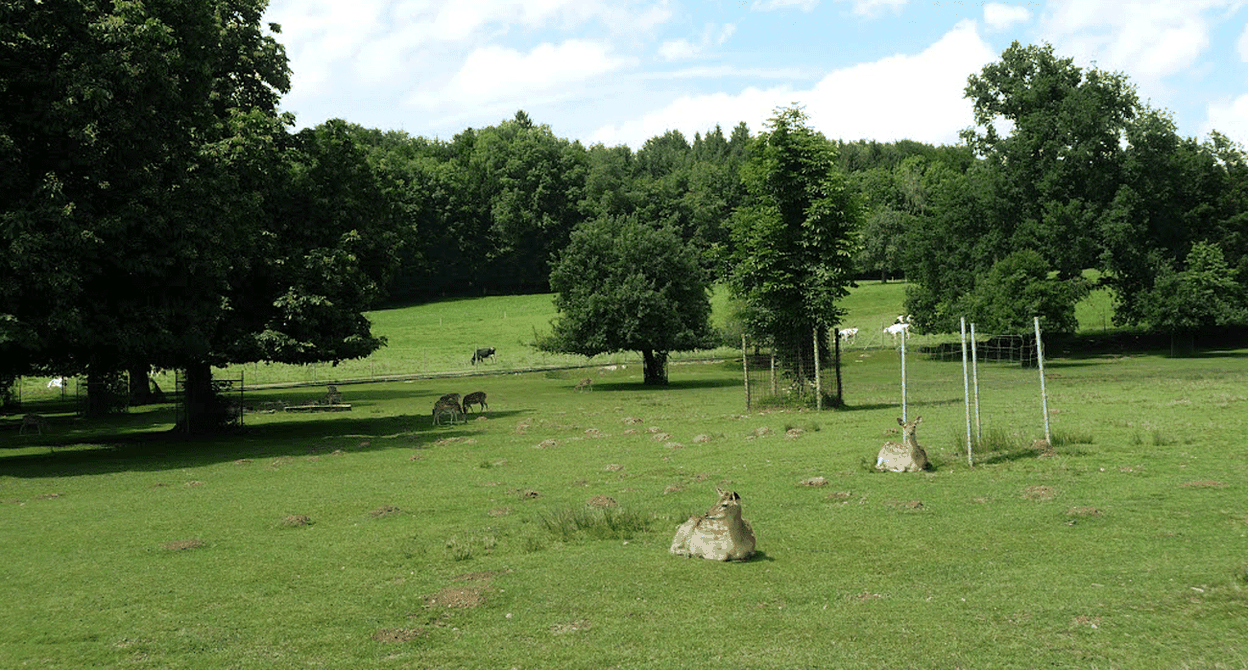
477, 398
585, 384
447, 404
482, 354
905, 457
35, 421
720, 534
333, 396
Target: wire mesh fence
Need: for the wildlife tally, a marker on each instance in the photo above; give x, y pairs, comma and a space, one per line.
977, 389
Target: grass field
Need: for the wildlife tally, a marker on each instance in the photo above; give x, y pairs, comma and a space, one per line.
536, 536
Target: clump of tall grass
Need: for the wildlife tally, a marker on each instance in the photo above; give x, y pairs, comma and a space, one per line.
465, 548
594, 524
1060, 438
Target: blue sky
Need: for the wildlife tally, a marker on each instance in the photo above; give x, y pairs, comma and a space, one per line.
622, 71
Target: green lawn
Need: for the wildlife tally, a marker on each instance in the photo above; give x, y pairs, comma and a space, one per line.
372, 539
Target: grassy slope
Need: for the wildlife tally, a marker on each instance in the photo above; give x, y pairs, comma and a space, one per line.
1125, 550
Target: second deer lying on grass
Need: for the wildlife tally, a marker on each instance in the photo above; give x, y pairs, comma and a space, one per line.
905, 457
720, 534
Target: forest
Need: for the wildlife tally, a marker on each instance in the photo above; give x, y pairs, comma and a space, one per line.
161, 211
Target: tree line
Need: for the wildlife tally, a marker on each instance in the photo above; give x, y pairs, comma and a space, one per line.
161, 212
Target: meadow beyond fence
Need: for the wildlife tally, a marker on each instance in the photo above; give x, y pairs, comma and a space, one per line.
537, 534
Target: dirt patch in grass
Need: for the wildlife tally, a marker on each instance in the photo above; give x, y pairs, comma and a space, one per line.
701, 438
601, 501
398, 635
183, 545
458, 597
49, 496
526, 494
814, 482
1205, 484
296, 520
613, 467
243, 461
839, 495
905, 505
794, 433
1042, 493
569, 627
501, 511
546, 444
385, 510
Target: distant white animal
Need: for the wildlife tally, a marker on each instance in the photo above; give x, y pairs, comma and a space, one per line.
897, 329
56, 383
849, 334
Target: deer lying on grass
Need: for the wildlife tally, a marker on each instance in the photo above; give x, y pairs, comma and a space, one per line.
905, 457
35, 421
477, 398
720, 534
585, 384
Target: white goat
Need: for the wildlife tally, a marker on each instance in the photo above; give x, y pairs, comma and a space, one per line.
56, 383
849, 334
897, 329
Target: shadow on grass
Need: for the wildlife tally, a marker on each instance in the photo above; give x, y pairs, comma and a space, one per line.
672, 385
147, 442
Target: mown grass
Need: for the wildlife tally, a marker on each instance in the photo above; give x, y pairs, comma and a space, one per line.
494, 544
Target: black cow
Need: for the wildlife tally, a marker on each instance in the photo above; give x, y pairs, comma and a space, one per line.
482, 354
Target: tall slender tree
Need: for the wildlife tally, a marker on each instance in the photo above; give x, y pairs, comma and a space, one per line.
794, 239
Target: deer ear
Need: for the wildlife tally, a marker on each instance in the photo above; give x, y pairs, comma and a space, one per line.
918, 420
900, 422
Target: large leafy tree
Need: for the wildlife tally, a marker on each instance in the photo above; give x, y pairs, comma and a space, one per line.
114, 117
622, 285
1046, 187
149, 167
794, 238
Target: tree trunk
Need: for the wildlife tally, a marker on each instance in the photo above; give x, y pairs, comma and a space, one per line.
106, 391
140, 385
654, 368
205, 411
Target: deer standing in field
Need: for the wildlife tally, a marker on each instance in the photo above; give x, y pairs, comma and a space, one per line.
477, 398
35, 421
720, 534
585, 384
905, 457
447, 404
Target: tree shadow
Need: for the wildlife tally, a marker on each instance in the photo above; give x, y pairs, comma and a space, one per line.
148, 443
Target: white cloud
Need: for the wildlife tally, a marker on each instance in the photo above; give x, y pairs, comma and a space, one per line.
915, 97
1151, 39
1229, 118
871, 8
1000, 17
494, 73
682, 49
694, 114
770, 5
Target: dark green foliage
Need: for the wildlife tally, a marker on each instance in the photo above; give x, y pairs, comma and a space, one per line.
794, 239
622, 285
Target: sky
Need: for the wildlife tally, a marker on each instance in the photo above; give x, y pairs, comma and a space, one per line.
623, 71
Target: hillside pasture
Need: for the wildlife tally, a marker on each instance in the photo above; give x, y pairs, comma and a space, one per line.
536, 536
